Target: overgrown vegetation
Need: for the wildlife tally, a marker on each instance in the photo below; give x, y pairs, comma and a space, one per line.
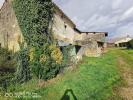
69, 55
41, 56
125, 65
7, 67
6, 59
130, 44
92, 79
23, 70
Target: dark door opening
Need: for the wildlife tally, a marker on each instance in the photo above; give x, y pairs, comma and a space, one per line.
77, 48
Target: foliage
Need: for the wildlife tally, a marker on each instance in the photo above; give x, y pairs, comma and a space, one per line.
46, 61
92, 79
68, 58
23, 69
130, 44
7, 59
35, 18
7, 67
56, 54
66, 55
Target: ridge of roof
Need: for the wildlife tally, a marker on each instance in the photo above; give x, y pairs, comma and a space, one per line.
119, 38
93, 32
57, 7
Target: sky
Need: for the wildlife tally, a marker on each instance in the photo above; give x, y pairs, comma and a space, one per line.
112, 16
1, 3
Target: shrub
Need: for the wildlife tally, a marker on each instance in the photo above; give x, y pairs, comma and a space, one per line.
23, 69
130, 44
41, 55
7, 67
46, 63
7, 59
56, 54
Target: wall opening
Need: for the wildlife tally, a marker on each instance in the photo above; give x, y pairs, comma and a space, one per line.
77, 48
100, 44
0, 45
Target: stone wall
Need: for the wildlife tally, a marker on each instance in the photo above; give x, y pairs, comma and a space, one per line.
97, 36
10, 33
63, 27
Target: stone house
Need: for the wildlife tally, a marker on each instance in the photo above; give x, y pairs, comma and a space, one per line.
122, 42
85, 43
9, 28
64, 31
93, 43
110, 45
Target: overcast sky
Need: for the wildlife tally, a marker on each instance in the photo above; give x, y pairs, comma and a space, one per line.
113, 16
1, 2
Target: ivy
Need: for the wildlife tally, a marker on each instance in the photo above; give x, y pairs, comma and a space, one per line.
41, 58
34, 17
23, 70
69, 58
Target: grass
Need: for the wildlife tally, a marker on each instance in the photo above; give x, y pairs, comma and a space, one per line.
7, 66
124, 63
126, 54
92, 79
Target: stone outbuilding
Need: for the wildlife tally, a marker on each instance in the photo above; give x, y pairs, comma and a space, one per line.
64, 31
122, 42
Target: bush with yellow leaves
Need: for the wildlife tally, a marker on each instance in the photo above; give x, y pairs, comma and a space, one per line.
56, 54
43, 58
31, 53
45, 62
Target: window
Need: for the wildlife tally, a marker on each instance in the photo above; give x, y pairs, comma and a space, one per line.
106, 34
65, 25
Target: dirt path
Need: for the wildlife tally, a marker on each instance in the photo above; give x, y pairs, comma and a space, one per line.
126, 91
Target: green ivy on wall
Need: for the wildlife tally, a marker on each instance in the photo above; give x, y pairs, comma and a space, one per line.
34, 17
69, 55
40, 58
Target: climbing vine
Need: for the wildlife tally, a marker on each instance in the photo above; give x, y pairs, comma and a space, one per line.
40, 57
23, 69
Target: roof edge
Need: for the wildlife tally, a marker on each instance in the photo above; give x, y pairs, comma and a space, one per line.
57, 7
2, 5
